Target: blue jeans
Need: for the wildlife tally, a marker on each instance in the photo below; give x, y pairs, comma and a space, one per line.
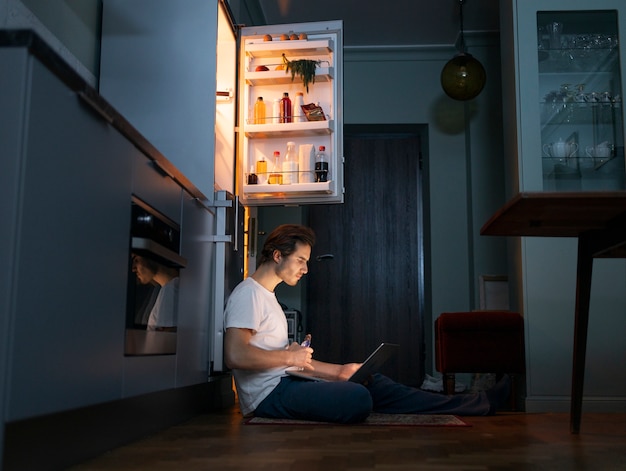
347, 402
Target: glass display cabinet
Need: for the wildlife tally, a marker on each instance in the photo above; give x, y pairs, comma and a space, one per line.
582, 129
570, 82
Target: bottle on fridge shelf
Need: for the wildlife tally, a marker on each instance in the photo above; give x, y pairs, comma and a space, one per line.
298, 114
276, 111
252, 177
276, 177
259, 111
261, 170
290, 164
321, 165
285, 109
306, 163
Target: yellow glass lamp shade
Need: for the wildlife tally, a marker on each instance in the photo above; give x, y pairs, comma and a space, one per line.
463, 77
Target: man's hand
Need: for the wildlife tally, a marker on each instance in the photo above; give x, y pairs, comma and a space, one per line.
347, 370
301, 356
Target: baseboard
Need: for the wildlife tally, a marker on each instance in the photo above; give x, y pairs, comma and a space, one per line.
60, 440
563, 403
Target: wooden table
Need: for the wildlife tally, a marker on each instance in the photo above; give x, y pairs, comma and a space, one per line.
598, 220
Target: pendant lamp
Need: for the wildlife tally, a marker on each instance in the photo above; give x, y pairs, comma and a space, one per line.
463, 77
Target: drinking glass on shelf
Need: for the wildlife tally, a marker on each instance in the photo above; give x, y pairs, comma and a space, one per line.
555, 29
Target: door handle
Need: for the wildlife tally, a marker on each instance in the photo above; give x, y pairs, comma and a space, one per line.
324, 257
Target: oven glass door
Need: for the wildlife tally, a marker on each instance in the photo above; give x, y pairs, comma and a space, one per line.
153, 280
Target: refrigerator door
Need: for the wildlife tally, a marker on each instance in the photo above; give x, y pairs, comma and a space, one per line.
270, 66
228, 268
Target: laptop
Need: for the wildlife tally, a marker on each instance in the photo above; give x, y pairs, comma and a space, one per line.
370, 366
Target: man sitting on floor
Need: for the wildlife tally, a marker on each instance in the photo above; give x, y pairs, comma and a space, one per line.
257, 350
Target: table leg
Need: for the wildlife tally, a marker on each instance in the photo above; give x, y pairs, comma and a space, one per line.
581, 322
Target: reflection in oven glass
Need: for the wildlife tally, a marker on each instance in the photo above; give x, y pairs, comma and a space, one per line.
156, 293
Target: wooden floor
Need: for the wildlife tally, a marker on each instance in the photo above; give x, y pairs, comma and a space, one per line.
507, 441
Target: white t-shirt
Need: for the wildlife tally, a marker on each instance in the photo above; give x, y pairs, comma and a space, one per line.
251, 306
165, 310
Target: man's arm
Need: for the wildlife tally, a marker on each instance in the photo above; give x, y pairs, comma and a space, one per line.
239, 354
338, 371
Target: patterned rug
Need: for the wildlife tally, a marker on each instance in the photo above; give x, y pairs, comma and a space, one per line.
407, 420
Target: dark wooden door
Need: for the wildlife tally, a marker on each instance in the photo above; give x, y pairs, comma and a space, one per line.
366, 271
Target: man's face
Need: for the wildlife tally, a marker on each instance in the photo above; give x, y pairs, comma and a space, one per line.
293, 267
144, 274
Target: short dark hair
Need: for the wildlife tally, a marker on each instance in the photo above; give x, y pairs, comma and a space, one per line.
284, 239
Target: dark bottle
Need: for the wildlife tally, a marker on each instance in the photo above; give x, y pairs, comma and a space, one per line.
252, 177
285, 109
321, 165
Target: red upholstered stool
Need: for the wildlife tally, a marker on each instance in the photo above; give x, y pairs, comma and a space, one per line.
479, 342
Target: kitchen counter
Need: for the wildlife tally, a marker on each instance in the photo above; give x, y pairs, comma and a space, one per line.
54, 62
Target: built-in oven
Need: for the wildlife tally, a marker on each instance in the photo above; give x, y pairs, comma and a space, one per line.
153, 280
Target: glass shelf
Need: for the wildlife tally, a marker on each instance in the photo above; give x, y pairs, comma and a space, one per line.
577, 60
580, 107
557, 114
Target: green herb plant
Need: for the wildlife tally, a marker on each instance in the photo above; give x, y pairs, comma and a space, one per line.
304, 68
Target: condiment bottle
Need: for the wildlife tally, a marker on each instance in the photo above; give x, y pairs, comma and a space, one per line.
259, 111
321, 165
298, 114
276, 111
276, 178
306, 163
290, 164
252, 177
261, 170
285, 109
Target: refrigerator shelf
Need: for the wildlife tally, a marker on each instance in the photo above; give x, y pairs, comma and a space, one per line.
307, 128
281, 77
267, 190
298, 48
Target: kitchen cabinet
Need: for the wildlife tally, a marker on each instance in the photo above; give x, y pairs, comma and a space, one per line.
71, 165
197, 107
563, 65
155, 187
67, 245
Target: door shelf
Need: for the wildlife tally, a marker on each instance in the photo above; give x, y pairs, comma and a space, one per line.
307, 128
293, 188
281, 77
298, 48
